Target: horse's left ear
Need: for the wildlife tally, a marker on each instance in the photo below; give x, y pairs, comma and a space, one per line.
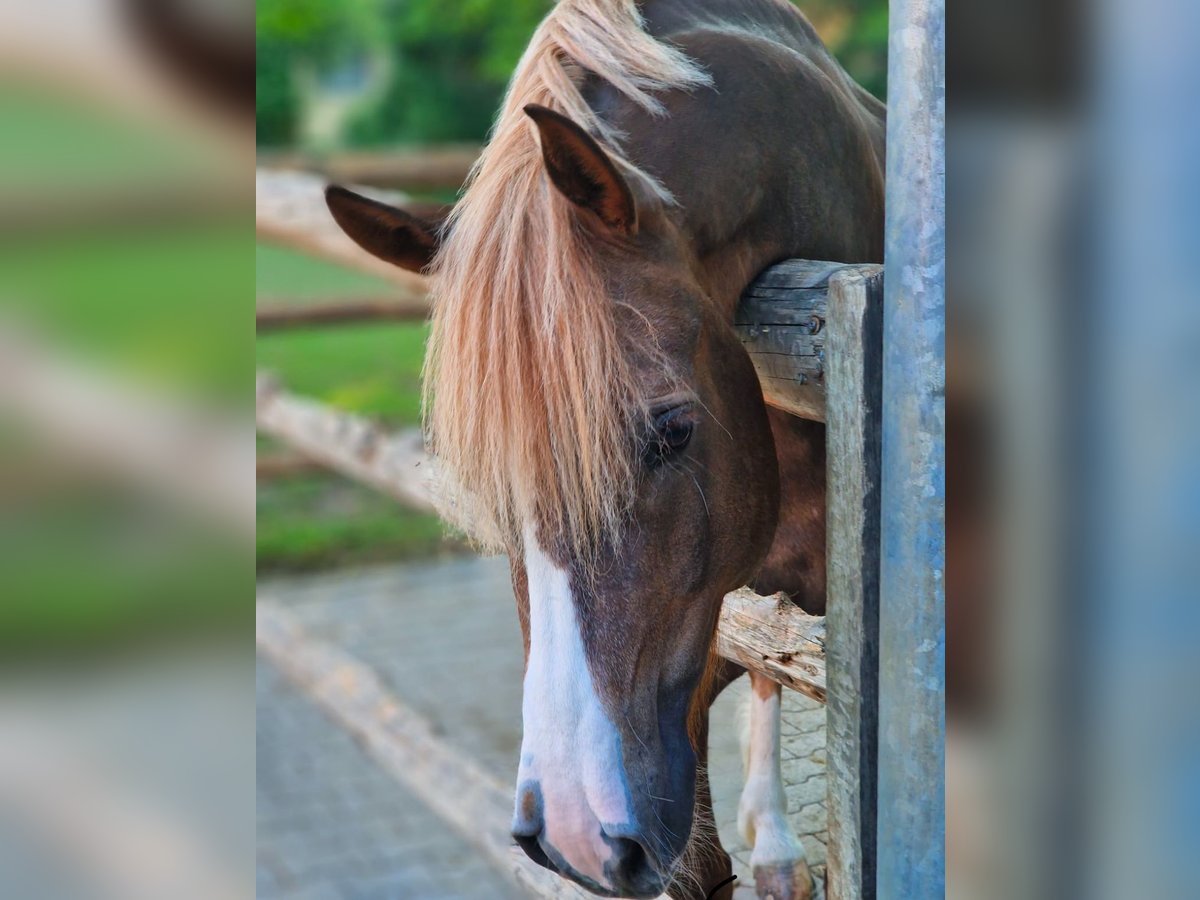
389, 233
582, 171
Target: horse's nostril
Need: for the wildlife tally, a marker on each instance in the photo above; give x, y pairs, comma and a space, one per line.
630, 868
533, 849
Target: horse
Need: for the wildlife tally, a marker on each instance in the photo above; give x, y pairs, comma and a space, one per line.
596, 418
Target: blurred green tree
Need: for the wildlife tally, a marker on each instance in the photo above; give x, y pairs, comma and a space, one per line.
447, 64
450, 69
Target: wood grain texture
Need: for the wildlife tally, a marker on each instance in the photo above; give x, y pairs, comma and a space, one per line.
854, 410
773, 636
392, 463
781, 321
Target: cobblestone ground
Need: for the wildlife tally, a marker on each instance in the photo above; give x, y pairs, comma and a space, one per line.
445, 639
333, 826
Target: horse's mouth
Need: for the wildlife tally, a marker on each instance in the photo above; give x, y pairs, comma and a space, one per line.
646, 884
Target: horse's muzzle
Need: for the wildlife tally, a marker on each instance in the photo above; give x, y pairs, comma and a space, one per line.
629, 870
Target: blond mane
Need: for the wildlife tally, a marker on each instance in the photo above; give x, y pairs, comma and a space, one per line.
530, 394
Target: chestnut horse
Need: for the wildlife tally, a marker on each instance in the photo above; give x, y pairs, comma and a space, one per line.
599, 420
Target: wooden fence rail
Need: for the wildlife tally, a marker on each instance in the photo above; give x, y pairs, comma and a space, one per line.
394, 464
275, 315
423, 169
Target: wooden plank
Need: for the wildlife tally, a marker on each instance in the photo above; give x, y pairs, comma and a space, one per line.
423, 169
284, 464
854, 410
274, 315
99, 423
772, 636
451, 784
290, 211
352, 445
130, 204
781, 322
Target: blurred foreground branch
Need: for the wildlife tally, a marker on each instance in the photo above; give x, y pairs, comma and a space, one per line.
140, 436
272, 316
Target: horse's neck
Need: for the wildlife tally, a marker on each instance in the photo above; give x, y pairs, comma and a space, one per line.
783, 159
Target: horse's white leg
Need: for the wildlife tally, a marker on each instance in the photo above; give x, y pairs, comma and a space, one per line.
778, 860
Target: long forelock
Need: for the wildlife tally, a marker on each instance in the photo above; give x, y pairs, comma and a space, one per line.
531, 392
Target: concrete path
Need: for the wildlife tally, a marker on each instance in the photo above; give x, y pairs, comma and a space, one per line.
406, 623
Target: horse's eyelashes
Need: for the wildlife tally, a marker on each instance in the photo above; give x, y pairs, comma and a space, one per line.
677, 435
671, 434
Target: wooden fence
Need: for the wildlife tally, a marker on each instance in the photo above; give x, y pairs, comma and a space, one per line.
813, 331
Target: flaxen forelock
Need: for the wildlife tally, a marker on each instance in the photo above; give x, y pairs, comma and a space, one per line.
530, 394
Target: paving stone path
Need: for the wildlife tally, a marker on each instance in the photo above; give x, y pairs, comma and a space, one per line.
331, 824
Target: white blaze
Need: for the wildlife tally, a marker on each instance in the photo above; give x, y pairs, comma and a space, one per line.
570, 747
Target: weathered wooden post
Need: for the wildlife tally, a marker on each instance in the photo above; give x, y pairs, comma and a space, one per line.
912, 632
854, 387
814, 331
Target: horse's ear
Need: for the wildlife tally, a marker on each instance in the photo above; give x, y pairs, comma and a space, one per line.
584, 173
389, 233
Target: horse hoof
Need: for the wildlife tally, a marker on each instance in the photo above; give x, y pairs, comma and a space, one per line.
784, 881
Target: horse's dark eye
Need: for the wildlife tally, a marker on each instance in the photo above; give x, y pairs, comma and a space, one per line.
677, 434
672, 433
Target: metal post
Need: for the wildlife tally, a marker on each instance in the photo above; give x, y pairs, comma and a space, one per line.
912, 633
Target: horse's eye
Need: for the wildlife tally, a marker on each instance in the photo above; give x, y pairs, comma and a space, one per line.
672, 433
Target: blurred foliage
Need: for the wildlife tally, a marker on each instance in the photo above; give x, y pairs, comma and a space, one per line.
862, 47
278, 106
320, 519
450, 70
373, 369
446, 67
93, 562
177, 290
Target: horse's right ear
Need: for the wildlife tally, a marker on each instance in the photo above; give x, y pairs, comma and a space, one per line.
384, 231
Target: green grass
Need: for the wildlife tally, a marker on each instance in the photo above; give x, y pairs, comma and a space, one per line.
321, 520
169, 306
373, 369
287, 274
61, 143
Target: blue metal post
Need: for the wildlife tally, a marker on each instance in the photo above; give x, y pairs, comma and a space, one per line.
912, 631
